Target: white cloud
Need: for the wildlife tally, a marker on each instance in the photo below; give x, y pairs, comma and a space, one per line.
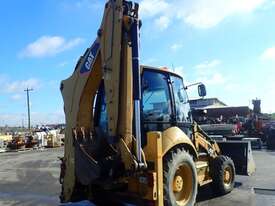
16, 88
49, 46
197, 13
207, 73
206, 14
208, 64
268, 54
151, 8
19, 86
162, 22
213, 79
176, 46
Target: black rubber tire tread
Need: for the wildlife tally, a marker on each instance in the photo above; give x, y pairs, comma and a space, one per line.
217, 172
171, 161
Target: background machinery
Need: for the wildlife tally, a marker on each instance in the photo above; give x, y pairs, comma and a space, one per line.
129, 130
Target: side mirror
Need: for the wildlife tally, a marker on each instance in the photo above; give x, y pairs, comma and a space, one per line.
202, 90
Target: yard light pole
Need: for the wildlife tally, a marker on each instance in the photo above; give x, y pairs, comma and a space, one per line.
28, 105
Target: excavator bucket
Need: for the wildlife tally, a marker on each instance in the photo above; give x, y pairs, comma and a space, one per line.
241, 154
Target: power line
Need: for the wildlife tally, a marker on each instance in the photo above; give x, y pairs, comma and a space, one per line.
28, 104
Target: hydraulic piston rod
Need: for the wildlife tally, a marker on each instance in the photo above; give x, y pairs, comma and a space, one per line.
136, 85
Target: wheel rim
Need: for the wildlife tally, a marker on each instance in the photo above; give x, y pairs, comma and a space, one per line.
227, 176
182, 184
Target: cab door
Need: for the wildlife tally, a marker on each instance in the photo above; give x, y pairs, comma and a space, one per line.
183, 117
156, 102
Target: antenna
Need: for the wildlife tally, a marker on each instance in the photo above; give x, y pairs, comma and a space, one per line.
173, 68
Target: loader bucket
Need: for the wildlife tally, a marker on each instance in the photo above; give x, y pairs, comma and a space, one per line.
241, 154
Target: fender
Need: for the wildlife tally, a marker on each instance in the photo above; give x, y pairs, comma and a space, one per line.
175, 136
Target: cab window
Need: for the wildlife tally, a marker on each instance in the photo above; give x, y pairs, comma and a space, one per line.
181, 100
156, 105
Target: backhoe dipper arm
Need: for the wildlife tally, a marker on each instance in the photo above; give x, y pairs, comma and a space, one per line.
121, 23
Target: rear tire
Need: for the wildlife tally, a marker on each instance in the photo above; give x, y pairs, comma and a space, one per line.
223, 175
179, 178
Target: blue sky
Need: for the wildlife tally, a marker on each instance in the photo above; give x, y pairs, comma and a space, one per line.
227, 44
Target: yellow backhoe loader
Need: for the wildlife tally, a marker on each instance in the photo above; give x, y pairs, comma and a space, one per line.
129, 130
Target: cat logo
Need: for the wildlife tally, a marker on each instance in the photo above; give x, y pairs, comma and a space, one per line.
90, 58
89, 61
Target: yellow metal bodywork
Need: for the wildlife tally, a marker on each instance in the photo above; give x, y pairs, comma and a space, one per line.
203, 172
154, 152
175, 136
77, 106
126, 100
211, 150
200, 141
110, 41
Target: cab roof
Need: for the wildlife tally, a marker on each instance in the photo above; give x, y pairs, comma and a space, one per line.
163, 69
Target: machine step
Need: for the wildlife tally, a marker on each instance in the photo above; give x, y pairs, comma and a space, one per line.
201, 164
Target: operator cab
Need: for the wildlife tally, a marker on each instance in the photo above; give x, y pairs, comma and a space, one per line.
164, 102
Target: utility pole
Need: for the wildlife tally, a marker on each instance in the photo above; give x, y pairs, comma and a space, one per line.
28, 104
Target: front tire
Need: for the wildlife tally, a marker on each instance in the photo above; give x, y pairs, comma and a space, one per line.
223, 175
179, 179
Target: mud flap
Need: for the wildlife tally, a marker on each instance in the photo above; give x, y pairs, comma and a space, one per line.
241, 154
